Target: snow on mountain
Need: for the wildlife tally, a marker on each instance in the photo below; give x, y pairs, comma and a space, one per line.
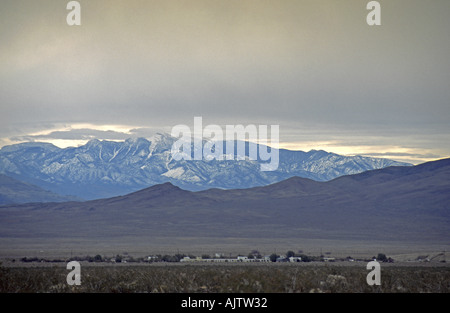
107, 168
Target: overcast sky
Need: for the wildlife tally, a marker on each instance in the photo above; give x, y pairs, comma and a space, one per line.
313, 67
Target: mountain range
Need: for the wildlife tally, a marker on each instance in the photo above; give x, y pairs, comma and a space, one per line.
101, 169
395, 204
13, 191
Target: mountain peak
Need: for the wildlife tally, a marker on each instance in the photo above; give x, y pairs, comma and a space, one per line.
31, 144
165, 186
166, 191
93, 142
137, 140
161, 188
161, 137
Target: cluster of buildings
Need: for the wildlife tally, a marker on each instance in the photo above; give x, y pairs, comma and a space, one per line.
240, 259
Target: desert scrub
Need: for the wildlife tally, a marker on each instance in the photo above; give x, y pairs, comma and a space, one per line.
272, 278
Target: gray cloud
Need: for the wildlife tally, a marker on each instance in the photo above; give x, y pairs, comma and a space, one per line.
75, 134
88, 134
410, 155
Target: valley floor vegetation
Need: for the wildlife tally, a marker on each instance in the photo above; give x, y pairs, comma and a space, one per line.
273, 277
253, 256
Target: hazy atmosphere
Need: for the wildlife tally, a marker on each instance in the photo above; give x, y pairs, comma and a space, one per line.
316, 68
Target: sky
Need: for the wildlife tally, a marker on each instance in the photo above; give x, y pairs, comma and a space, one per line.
315, 68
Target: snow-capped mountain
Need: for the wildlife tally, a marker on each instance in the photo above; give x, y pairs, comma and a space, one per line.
102, 169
